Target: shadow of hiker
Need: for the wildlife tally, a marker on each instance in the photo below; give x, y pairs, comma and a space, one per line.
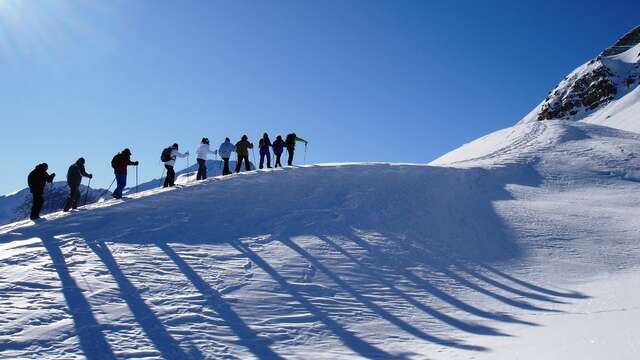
347, 337
92, 341
248, 338
461, 325
375, 307
538, 288
151, 325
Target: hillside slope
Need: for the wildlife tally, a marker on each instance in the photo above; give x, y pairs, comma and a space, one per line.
345, 260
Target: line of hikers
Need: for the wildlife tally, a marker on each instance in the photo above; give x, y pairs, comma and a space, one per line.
39, 177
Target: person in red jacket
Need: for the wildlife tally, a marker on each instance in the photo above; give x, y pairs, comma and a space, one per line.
119, 164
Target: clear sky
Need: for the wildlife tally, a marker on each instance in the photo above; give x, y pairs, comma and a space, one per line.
396, 80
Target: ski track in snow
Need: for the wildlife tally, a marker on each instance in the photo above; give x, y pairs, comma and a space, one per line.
336, 261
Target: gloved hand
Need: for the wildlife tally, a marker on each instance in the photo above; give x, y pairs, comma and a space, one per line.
136, 163
53, 175
187, 153
90, 176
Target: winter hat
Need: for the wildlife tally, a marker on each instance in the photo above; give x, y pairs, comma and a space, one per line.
244, 137
175, 146
80, 161
227, 139
126, 151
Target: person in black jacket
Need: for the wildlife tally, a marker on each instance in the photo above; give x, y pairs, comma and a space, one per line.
278, 147
264, 145
74, 178
37, 180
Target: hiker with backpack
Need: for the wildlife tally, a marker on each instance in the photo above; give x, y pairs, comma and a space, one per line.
201, 158
119, 163
74, 178
37, 180
242, 150
278, 147
168, 157
225, 150
264, 144
291, 146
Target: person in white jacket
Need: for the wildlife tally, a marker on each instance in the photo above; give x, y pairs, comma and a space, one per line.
202, 155
171, 174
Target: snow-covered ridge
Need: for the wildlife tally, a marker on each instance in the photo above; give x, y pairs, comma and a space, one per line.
448, 261
599, 89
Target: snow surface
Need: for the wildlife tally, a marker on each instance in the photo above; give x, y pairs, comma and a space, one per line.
517, 246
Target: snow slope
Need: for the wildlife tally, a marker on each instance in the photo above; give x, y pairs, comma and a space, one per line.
345, 260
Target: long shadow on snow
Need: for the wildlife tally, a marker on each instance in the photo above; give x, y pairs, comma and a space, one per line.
93, 343
249, 338
347, 337
443, 212
151, 325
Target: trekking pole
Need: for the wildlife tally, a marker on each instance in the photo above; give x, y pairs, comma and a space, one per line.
253, 152
305, 153
86, 193
161, 176
136, 179
110, 185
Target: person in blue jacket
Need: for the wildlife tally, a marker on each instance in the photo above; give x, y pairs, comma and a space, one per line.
225, 150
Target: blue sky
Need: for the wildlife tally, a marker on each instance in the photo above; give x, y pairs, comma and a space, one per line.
402, 81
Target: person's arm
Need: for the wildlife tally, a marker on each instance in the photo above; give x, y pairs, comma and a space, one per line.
180, 155
302, 140
250, 146
84, 173
50, 177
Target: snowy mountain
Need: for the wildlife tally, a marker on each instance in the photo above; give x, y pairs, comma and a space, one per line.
603, 91
17, 205
522, 244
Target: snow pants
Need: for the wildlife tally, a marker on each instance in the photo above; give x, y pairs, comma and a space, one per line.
278, 160
121, 183
202, 169
171, 176
265, 153
225, 169
73, 199
247, 167
36, 205
290, 152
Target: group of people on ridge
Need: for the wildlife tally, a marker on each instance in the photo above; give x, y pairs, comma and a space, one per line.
39, 177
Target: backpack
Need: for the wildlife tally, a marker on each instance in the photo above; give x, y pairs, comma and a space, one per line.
115, 162
166, 154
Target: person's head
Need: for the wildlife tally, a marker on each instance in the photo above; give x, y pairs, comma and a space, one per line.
80, 161
244, 137
293, 135
126, 151
44, 166
174, 146
205, 140
278, 137
265, 136
227, 139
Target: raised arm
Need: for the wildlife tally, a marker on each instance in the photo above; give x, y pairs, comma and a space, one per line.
302, 140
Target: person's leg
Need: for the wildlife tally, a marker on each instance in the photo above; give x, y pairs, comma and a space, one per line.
290, 157
201, 170
268, 159
121, 183
247, 165
278, 160
36, 205
204, 169
75, 197
225, 169
69, 202
262, 155
238, 163
171, 176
